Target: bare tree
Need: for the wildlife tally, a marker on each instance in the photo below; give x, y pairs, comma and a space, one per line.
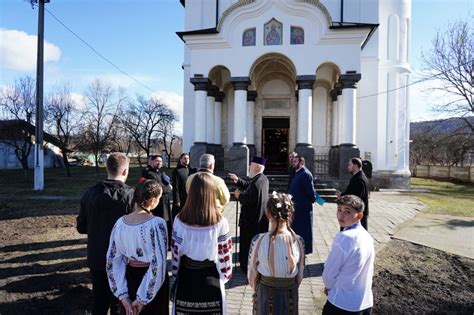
101, 117
168, 133
63, 117
18, 104
450, 62
144, 120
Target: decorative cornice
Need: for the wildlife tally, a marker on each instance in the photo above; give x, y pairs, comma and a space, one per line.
305, 81
251, 96
212, 90
349, 80
242, 3
333, 95
200, 83
240, 83
236, 5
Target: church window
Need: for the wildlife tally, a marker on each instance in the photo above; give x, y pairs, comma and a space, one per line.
297, 35
248, 38
273, 33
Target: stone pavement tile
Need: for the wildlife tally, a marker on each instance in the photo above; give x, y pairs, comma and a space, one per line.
387, 212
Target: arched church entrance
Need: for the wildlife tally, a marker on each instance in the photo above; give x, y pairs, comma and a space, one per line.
273, 77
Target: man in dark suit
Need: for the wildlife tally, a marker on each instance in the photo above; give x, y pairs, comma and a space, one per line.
152, 171
253, 196
101, 206
358, 186
178, 179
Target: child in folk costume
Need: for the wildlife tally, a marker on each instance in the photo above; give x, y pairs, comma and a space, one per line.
276, 261
349, 268
136, 258
201, 251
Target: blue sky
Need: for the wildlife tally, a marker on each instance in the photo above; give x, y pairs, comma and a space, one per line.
139, 37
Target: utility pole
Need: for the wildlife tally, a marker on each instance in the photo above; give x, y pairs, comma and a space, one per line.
39, 152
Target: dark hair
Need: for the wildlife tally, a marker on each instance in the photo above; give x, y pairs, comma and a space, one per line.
154, 157
117, 163
145, 191
352, 201
201, 204
183, 154
357, 161
281, 208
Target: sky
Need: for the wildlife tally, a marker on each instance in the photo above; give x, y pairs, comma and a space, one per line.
139, 38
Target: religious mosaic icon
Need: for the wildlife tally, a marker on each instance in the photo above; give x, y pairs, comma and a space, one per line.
297, 35
273, 33
248, 38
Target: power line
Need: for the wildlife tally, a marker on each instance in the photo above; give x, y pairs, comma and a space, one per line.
415, 82
99, 54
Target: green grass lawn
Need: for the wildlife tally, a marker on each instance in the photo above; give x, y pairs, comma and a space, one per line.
13, 182
445, 197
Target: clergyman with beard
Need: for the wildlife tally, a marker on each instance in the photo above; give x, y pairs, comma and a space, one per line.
253, 195
178, 178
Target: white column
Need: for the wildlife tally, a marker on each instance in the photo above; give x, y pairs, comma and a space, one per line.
339, 117
348, 108
392, 120
251, 117
240, 111
200, 105
210, 117
403, 128
218, 119
305, 109
334, 124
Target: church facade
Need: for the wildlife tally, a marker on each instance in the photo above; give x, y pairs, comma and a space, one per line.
322, 78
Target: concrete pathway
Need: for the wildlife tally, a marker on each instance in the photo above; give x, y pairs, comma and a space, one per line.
388, 210
448, 233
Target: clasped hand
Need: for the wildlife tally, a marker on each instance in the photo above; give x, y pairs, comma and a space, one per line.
132, 308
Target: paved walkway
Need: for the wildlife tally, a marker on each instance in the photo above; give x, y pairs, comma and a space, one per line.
387, 211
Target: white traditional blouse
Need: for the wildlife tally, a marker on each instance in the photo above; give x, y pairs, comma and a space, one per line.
144, 242
282, 257
200, 243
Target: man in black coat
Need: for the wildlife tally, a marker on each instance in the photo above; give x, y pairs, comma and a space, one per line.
152, 171
101, 206
253, 196
178, 179
358, 186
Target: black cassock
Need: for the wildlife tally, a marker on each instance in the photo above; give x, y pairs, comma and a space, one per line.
253, 198
359, 186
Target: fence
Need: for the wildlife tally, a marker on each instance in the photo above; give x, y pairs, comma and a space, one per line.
463, 174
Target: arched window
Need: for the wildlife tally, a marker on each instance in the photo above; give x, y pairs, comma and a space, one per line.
273, 33
248, 38
297, 35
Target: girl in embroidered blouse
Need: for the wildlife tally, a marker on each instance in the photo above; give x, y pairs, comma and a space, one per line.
276, 261
136, 258
201, 250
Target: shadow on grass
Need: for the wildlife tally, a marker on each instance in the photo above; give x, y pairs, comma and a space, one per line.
36, 269
25, 208
64, 254
41, 245
73, 301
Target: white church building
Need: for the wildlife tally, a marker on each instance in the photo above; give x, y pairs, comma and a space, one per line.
325, 78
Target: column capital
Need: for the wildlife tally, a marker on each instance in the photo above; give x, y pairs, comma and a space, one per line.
240, 83
212, 90
200, 83
305, 81
219, 96
251, 96
333, 95
349, 80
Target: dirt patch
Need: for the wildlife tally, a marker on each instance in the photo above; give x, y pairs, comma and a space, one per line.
414, 279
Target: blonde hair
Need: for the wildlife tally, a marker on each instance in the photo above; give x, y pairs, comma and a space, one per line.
201, 204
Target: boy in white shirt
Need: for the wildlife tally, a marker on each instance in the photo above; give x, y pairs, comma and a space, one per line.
349, 268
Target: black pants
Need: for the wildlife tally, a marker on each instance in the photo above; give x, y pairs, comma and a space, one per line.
330, 309
103, 297
247, 233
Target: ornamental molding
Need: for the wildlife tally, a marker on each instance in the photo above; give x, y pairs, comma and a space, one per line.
242, 3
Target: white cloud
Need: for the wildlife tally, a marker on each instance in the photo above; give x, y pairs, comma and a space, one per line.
18, 50
119, 80
79, 99
175, 101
